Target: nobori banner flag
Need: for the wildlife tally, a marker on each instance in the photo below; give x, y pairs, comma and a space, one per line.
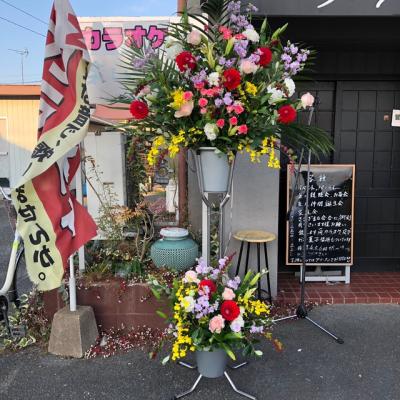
53, 225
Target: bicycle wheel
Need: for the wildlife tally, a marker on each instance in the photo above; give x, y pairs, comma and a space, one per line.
20, 276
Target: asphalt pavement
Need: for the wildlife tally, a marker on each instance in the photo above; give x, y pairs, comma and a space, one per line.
312, 366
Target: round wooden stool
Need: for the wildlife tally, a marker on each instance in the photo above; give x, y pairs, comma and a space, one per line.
256, 237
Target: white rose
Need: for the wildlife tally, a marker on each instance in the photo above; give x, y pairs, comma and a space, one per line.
213, 79
188, 303
172, 48
252, 35
276, 95
290, 85
211, 131
194, 37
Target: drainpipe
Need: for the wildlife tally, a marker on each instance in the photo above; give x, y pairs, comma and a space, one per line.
182, 166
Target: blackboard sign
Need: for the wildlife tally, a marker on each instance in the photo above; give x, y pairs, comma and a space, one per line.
330, 218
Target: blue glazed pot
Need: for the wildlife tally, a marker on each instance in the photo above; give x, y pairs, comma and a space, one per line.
175, 250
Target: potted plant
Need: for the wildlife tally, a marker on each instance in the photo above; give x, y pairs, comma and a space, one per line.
213, 315
219, 87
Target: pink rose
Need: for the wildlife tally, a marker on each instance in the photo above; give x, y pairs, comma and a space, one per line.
228, 294
185, 110
199, 85
203, 111
194, 37
307, 100
216, 324
248, 67
220, 123
242, 129
187, 96
203, 102
233, 120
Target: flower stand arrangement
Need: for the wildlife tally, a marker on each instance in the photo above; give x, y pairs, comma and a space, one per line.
215, 315
219, 84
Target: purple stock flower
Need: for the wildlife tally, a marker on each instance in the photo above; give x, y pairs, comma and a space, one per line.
234, 283
139, 63
251, 8
234, 7
240, 48
222, 61
202, 267
254, 58
256, 329
230, 63
199, 77
228, 99
218, 102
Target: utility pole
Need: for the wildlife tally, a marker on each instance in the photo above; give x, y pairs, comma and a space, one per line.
23, 53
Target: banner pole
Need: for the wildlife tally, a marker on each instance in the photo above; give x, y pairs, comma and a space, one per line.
72, 285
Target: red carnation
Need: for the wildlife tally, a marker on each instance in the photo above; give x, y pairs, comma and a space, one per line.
212, 288
265, 56
230, 310
231, 78
139, 109
185, 60
287, 114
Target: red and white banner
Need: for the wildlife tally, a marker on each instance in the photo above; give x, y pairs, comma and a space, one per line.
52, 223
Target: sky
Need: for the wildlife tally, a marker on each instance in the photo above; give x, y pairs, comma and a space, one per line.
17, 38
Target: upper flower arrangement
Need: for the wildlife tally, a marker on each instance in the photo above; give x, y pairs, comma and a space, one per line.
219, 82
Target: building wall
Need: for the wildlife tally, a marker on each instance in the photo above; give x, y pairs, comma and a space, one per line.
22, 121
254, 205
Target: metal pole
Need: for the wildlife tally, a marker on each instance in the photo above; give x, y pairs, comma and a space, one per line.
305, 234
72, 284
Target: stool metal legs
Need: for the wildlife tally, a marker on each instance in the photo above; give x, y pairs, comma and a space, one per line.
267, 266
240, 258
259, 289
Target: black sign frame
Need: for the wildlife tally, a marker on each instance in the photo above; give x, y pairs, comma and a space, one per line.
320, 168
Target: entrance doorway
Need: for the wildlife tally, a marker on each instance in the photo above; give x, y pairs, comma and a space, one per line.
364, 136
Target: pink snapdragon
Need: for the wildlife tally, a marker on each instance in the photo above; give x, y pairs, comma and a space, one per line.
226, 32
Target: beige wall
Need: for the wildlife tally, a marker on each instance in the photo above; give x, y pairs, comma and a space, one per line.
22, 115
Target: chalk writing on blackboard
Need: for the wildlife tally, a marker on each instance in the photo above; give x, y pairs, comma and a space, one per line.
330, 219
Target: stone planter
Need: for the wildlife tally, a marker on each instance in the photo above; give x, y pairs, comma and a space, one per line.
115, 306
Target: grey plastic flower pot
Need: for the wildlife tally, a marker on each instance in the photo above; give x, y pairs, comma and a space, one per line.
215, 170
211, 364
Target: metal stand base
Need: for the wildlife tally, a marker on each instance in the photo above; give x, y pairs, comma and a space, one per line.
302, 313
193, 388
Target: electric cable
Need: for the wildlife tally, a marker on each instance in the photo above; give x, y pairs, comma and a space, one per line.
25, 12
21, 26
